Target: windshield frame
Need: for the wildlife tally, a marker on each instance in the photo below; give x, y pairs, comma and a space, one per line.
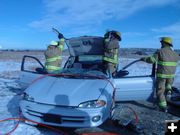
81, 73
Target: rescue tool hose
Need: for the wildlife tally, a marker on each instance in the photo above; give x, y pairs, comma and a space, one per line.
23, 119
7, 119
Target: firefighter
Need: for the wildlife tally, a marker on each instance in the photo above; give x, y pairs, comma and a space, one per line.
111, 51
166, 60
52, 55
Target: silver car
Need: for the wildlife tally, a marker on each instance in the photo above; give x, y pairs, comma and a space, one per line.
83, 93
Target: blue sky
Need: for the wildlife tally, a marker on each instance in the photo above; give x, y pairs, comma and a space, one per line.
26, 24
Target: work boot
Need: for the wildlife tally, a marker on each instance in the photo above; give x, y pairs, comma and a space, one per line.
168, 95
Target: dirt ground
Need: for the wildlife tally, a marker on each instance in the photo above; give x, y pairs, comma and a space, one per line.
150, 120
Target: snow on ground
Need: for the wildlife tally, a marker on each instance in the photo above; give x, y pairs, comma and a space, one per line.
9, 100
10, 96
137, 69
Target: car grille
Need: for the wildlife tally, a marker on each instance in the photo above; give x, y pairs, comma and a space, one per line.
52, 118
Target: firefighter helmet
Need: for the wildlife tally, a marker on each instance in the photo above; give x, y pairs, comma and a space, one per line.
167, 40
116, 34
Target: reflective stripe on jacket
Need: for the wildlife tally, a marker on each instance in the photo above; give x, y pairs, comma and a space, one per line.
111, 51
113, 57
53, 58
52, 68
166, 60
163, 104
61, 44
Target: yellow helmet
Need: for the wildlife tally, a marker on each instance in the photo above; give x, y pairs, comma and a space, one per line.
167, 40
116, 34
54, 43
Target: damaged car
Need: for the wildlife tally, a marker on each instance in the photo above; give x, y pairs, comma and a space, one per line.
83, 94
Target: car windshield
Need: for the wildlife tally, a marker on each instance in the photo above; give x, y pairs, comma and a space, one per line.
82, 73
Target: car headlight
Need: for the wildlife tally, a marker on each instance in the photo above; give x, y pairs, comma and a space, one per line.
28, 97
92, 104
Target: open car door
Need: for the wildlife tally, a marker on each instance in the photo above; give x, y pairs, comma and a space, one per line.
138, 84
29, 71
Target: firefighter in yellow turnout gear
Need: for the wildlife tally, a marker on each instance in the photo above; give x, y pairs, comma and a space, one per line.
52, 55
166, 60
111, 51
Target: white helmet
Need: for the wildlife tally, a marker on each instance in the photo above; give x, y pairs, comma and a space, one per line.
54, 43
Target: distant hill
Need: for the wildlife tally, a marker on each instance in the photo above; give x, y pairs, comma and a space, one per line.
137, 52
124, 52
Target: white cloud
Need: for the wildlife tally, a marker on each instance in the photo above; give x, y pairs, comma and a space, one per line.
134, 34
80, 13
172, 30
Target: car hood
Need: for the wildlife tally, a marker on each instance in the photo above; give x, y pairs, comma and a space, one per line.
65, 91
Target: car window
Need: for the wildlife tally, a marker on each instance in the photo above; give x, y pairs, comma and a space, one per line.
177, 76
81, 73
139, 68
31, 64
90, 58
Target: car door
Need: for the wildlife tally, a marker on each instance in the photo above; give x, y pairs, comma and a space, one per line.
177, 76
29, 71
138, 84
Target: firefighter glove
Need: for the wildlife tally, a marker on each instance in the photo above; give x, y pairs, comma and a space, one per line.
60, 36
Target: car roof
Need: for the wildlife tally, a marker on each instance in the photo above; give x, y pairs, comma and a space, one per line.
85, 45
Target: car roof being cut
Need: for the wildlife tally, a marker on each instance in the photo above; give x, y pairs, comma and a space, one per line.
85, 45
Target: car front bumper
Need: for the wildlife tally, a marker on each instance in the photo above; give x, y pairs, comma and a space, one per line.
64, 116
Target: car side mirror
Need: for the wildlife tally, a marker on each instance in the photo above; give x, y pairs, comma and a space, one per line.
122, 73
